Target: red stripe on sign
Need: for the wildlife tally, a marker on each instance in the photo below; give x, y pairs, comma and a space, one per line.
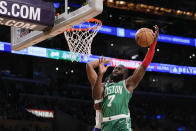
127, 63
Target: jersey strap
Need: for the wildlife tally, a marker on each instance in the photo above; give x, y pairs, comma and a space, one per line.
106, 119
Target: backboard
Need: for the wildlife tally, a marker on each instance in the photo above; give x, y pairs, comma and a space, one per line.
22, 38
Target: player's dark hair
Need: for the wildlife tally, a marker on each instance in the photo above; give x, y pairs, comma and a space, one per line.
107, 79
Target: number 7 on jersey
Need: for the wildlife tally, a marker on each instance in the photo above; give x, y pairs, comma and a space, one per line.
111, 98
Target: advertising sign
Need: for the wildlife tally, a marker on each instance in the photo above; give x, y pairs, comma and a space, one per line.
42, 113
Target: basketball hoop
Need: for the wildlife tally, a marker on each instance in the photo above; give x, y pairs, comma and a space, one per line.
80, 37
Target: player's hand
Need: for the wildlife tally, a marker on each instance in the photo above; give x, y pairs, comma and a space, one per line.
107, 61
102, 67
97, 106
156, 33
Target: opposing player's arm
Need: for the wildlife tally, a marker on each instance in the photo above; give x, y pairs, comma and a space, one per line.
98, 88
132, 81
91, 73
90, 70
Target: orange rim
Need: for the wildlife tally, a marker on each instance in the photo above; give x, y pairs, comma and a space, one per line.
86, 29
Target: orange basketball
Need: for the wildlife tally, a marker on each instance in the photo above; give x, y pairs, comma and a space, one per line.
144, 37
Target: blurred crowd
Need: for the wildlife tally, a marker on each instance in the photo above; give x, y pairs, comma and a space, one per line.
150, 109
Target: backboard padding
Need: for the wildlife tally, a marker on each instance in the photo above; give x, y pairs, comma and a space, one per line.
62, 22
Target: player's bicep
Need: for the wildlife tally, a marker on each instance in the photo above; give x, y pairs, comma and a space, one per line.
98, 93
134, 80
102, 91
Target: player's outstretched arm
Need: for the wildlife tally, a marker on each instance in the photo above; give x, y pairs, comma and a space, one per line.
90, 70
98, 87
91, 73
133, 81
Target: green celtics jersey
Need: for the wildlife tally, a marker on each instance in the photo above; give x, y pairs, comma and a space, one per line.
115, 100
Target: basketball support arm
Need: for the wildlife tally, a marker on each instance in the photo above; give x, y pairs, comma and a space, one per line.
62, 22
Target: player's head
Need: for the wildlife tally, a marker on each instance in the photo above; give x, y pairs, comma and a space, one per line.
119, 73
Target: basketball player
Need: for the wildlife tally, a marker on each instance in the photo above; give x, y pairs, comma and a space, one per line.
92, 76
118, 90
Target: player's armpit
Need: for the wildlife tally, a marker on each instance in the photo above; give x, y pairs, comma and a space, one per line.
132, 81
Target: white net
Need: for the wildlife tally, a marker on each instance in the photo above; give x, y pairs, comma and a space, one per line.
80, 37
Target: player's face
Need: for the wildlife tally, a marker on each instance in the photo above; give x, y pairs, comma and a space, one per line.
118, 70
117, 73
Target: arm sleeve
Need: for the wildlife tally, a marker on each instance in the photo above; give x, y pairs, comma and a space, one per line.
149, 56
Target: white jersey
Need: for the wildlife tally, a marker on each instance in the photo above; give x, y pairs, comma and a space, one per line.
98, 117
